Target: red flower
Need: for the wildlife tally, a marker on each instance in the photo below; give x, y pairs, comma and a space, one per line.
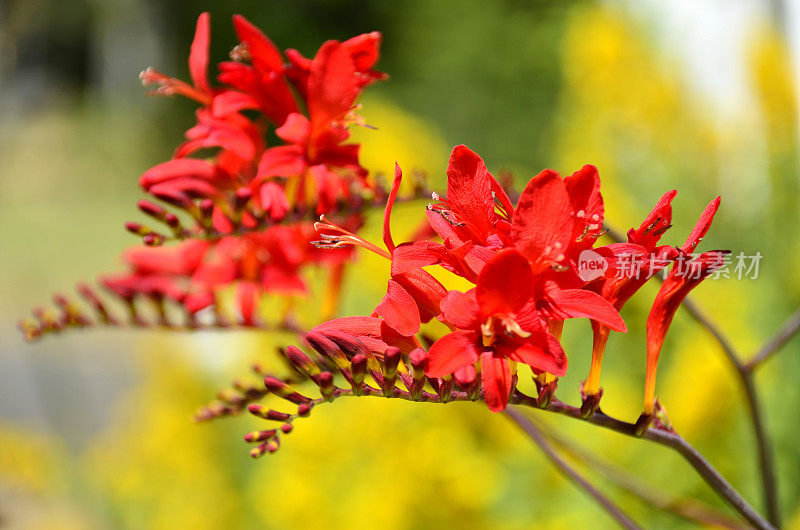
501, 321
200, 90
637, 261
468, 222
687, 272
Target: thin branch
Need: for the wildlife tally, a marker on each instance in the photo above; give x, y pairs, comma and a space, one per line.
763, 445
788, 330
672, 440
568, 471
688, 509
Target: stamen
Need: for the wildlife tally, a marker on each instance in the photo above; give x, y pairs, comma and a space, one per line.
342, 238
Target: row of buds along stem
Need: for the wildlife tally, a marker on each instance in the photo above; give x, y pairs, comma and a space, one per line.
337, 364
239, 213
124, 302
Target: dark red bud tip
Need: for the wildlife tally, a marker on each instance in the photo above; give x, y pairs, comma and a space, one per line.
153, 210
206, 208
304, 410
172, 220
281, 389
273, 445
152, 240
136, 228
391, 358
286, 428
419, 360
260, 436
358, 365
274, 385
242, 196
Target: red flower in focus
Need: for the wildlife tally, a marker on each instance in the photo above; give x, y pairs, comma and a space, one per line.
501, 321
687, 272
472, 228
637, 261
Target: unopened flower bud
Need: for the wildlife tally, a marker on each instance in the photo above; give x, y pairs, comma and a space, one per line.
304, 410
325, 383
391, 359
358, 370
267, 414
419, 362
300, 361
286, 428
260, 436
281, 389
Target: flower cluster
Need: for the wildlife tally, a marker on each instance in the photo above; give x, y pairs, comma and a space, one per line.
523, 264
251, 204
251, 233
522, 261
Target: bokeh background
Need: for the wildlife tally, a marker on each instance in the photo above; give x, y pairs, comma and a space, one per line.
95, 427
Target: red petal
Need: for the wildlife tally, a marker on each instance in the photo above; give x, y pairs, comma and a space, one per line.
469, 189
387, 212
702, 226
399, 310
332, 87
295, 129
545, 354
583, 188
282, 161
246, 299
504, 284
451, 352
542, 224
230, 102
425, 289
369, 330
409, 256
496, 380
461, 310
263, 53
198, 56
579, 303
655, 224
177, 168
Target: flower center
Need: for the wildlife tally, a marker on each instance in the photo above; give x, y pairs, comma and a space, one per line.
501, 325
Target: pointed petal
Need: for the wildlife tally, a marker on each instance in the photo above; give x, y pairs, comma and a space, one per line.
387, 212
579, 303
332, 86
469, 189
246, 301
461, 310
399, 310
702, 226
542, 352
655, 224
372, 331
295, 129
426, 290
198, 56
263, 53
410, 256
177, 168
504, 284
583, 188
542, 225
496, 380
282, 161
451, 352
230, 102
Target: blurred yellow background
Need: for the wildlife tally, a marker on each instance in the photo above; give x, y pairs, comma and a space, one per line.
95, 427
